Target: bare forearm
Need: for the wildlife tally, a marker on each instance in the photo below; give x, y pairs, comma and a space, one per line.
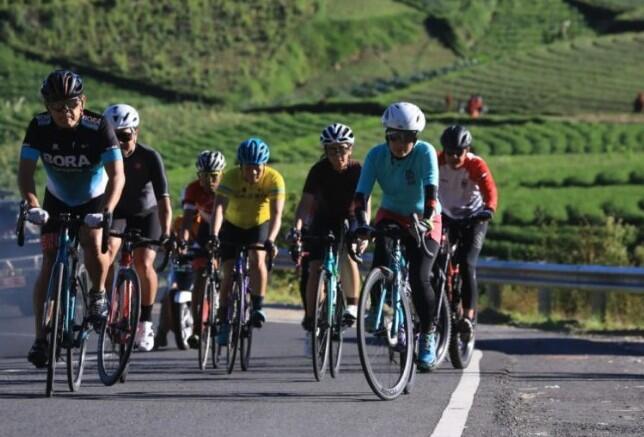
274, 227
113, 192
27, 184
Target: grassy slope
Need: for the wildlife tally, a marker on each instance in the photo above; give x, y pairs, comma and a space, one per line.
565, 78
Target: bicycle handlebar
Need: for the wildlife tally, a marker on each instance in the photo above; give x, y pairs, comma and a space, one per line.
138, 241
20, 225
269, 254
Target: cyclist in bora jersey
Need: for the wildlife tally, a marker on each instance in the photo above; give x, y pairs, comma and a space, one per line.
144, 205
467, 190
406, 169
326, 202
84, 168
248, 211
198, 199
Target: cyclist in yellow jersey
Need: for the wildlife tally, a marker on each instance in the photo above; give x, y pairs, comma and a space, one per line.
248, 211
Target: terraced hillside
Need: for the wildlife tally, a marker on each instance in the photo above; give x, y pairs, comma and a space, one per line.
344, 62
587, 75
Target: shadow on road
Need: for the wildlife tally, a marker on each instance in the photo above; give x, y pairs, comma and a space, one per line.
560, 346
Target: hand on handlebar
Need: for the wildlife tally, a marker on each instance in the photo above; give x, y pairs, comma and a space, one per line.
97, 219
213, 243
484, 215
37, 216
270, 248
169, 243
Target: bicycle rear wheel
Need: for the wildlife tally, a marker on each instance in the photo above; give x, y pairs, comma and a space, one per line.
235, 325
52, 323
80, 329
444, 330
207, 314
382, 345
321, 334
460, 351
116, 339
337, 333
246, 337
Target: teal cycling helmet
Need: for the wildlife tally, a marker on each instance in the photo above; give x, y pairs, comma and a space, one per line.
253, 151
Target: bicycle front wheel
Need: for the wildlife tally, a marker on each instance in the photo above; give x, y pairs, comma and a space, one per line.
443, 330
235, 324
246, 336
385, 336
337, 333
52, 323
207, 315
116, 339
80, 329
321, 334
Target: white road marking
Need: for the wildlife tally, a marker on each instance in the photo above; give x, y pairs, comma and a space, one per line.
452, 422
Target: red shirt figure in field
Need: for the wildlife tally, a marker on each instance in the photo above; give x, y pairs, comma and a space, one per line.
638, 105
466, 190
475, 106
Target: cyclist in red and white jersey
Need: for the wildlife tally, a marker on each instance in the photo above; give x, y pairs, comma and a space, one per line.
466, 190
199, 199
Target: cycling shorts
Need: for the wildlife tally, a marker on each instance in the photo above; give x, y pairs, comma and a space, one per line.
148, 223
256, 235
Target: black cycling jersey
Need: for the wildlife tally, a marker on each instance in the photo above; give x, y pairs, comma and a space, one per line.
145, 182
73, 158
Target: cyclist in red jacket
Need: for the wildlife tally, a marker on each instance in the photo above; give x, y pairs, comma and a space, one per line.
466, 190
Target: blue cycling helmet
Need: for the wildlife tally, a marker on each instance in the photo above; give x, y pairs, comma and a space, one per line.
253, 151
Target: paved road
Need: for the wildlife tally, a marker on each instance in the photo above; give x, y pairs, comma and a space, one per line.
531, 384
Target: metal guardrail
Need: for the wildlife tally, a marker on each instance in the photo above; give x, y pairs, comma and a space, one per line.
585, 277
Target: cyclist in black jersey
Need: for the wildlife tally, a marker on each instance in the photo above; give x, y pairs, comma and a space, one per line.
82, 160
144, 205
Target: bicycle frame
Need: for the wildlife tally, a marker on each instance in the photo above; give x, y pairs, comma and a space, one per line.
240, 273
330, 266
67, 248
397, 269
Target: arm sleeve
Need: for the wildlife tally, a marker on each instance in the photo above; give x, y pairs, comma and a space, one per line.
312, 181
159, 179
29, 149
367, 174
109, 143
483, 177
278, 189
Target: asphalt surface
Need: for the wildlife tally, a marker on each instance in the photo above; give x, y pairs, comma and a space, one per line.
532, 383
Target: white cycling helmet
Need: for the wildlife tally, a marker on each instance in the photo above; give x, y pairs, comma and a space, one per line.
404, 116
122, 116
337, 133
208, 161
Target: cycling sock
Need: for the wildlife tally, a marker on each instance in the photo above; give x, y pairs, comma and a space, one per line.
146, 313
352, 301
258, 301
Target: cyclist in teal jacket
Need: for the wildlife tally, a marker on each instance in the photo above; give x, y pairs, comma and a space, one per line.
406, 169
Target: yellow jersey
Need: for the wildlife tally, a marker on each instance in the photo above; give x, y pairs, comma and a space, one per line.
249, 204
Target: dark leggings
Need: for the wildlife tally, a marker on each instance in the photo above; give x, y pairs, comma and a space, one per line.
420, 268
472, 238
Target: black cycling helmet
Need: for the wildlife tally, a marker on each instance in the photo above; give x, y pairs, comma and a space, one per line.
456, 137
61, 85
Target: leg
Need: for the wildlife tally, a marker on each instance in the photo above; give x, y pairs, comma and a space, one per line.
468, 256
40, 289
258, 284
144, 266
311, 288
350, 275
97, 264
113, 246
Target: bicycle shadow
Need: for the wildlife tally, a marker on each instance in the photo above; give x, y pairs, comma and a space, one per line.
560, 346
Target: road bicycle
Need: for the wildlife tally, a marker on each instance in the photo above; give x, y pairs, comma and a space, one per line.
327, 334
240, 337
386, 338
117, 333
448, 282
181, 280
65, 317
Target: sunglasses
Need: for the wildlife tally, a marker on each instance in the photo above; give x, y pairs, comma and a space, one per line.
124, 136
454, 152
64, 104
397, 136
210, 175
338, 150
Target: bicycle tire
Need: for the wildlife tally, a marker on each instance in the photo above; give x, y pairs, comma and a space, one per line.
116, 339
380, 336
321, 334
337, 334
246, 338
206, 313
460, 352
235, 325
443, 331
54, 325
182, 321
80, 329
